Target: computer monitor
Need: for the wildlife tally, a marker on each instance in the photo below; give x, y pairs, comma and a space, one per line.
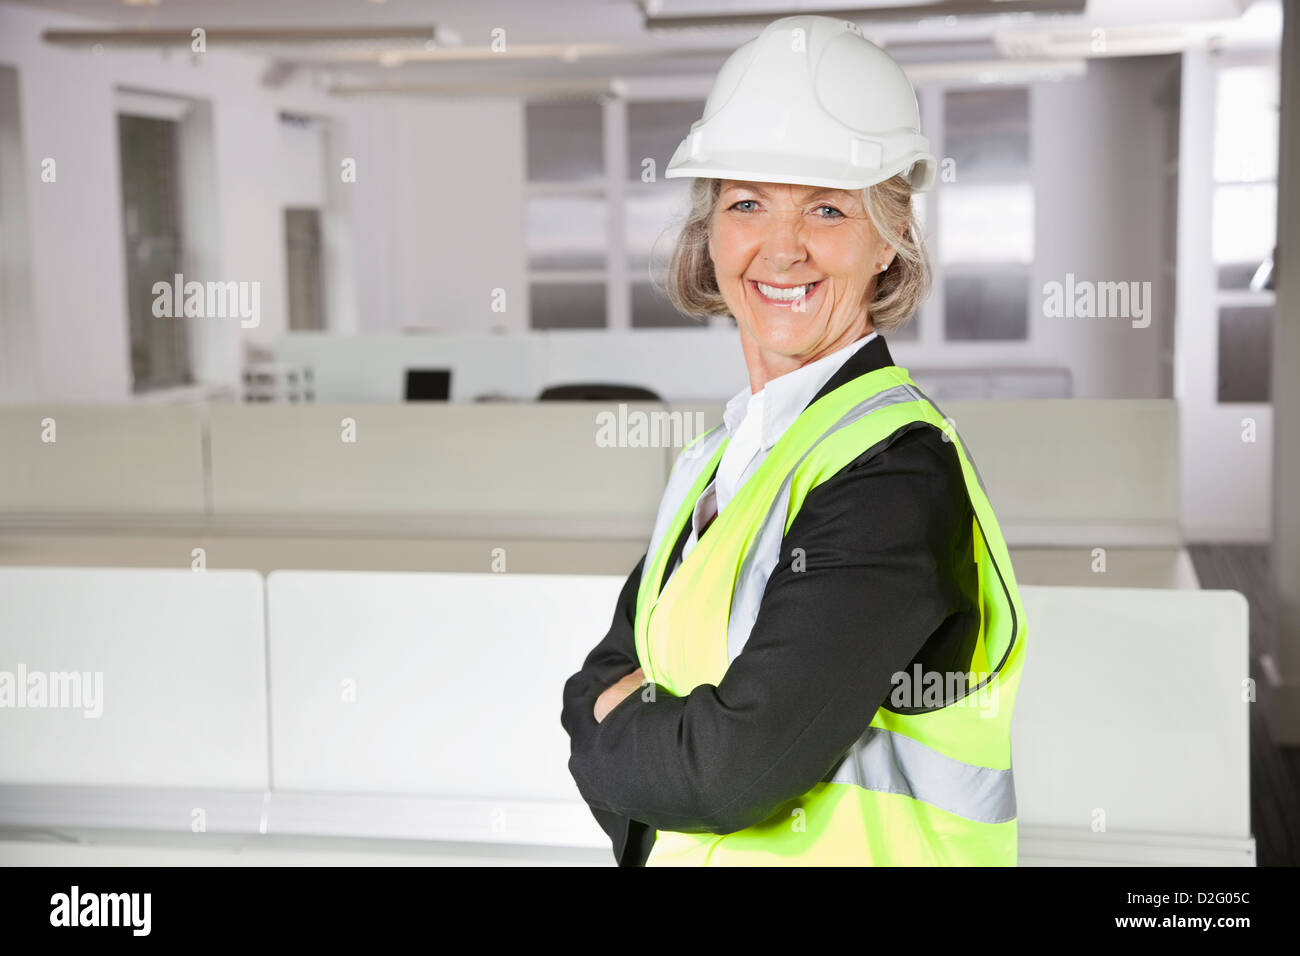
428, 384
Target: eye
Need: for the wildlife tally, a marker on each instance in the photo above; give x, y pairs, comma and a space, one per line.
734, 205
838, 214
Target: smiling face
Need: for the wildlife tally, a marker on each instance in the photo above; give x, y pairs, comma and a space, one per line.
770, 239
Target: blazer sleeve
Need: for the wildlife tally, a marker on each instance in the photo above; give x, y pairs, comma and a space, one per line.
886, 576
614, 657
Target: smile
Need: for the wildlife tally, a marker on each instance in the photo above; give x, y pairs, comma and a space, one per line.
787, 296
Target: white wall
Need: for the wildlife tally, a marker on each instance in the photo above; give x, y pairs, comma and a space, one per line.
302, 174
439, 212
680, 365
1097, 161
79, 314
1100, 208
1227, 482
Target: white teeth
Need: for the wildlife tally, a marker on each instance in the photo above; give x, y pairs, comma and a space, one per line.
786, 295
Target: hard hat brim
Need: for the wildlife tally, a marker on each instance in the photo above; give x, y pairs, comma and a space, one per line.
919, 171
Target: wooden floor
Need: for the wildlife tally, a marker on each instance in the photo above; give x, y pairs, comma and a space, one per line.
1274, 770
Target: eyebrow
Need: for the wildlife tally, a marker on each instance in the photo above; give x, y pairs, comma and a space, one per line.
758, 188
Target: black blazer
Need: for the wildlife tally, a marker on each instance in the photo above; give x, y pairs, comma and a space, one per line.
889, 581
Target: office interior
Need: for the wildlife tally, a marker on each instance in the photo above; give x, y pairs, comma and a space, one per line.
296, 526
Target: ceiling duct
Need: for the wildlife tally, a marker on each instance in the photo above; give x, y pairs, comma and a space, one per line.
660, 16
1100, 41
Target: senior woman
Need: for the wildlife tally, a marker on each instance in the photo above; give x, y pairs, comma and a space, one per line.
815, 660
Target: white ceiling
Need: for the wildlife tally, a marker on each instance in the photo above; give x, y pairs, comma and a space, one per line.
593, 38
538, 21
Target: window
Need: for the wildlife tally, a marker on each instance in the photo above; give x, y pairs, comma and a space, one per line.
151, 219
565, 143
568, 305
16, 334
986, 216
303, 262
655, 206
566, 224
601, 219
1244, 227
911, 330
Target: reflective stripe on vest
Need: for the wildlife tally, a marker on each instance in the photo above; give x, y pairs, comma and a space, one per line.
914, 754
890, 762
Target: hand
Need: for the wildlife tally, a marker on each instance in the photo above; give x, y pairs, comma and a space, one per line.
614, 694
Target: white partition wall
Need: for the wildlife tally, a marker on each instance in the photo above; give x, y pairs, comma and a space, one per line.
1080, 566
94, 460
425, 708
1154, 678
679, 364
1066, 477
372, 368
1079, 471
703, 363
443, 684
1069, 472
428, 705
478, 469
170, 666
1131, 727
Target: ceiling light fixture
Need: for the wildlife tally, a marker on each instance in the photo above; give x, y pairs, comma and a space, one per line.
263, 36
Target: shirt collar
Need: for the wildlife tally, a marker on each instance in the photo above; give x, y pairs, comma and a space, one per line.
785, 397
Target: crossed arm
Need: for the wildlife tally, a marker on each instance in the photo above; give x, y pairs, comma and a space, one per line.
888, 577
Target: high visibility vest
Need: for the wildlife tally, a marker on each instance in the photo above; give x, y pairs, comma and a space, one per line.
929, 781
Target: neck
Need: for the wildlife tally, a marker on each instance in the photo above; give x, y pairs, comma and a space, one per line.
764, 365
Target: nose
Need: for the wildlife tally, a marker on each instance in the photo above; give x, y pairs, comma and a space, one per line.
783, 245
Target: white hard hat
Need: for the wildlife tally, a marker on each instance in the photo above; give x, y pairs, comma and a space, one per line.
809, 101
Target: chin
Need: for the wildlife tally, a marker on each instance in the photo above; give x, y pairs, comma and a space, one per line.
789, 336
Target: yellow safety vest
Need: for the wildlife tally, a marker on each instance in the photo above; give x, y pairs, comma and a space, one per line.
929, 782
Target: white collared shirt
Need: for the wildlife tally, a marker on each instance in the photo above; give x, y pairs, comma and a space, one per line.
755, 421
